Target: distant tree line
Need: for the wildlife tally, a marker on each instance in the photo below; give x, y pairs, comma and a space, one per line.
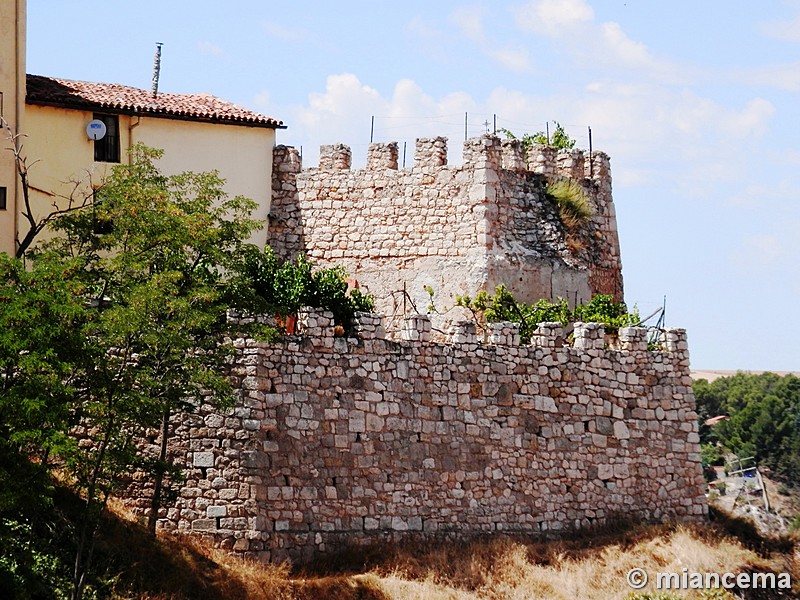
764, 419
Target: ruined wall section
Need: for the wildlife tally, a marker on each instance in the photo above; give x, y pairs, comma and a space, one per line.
286, 235
357, 440
457, 229
532, 242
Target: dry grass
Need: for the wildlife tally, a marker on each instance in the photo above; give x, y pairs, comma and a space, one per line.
590, 566
574, 207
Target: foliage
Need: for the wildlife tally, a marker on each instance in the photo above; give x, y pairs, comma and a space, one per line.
559, 138
112, 329
488, 308
574, 207
271, 285
764, 421
603, 309
711, 455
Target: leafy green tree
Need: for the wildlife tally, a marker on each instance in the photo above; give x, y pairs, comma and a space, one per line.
116, 324
764, 418
157, 278
41, 346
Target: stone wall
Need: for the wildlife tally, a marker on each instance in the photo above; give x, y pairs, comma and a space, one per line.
457, 229
352, 440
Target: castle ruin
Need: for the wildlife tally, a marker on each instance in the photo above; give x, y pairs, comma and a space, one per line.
457, 229
396, 433
346, 440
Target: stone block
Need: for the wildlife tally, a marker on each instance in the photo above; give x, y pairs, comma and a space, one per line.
203, 459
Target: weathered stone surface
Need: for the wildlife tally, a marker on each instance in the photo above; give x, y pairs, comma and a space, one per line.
386, 438
398, 228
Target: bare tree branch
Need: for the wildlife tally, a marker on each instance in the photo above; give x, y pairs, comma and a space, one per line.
76, 199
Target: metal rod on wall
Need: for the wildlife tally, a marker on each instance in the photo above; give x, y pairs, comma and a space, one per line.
494, 127
591, 162
465, 127
404, 154
372, 129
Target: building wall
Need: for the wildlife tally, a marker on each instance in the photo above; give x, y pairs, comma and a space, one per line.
457, 229
65, 165
339, 441
12, 86
242, 155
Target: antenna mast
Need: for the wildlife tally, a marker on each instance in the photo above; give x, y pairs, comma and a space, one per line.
156, 68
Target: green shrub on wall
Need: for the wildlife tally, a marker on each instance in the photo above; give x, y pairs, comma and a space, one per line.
271, 285
501, 306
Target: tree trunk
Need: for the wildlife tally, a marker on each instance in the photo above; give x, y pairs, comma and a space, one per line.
158, 484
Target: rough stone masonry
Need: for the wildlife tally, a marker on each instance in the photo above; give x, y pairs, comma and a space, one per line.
339, 440
457, 229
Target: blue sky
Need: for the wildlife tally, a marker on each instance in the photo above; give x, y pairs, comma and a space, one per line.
698, 104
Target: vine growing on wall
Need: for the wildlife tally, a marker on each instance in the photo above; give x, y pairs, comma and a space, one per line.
270, 285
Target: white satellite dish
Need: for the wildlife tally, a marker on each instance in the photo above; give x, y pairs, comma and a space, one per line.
96, 130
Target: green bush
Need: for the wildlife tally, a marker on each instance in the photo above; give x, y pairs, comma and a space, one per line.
488, 308
559, 139
271, 285
711, 455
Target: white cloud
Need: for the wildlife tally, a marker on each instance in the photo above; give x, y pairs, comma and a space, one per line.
783, 77
422, 29
513, 59
786, 30
572, 25
624, 48
760, 252
655, 134
469, 20
751, 121
341, 114
554, 17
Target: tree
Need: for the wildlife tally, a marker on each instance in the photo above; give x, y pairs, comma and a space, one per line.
116, 325
269, 285
118, 322
764, 418
41, 354
157, 254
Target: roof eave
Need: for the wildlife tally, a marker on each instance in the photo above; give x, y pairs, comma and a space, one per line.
94, 107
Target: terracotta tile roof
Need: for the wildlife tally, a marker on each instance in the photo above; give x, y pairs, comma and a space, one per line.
124, 99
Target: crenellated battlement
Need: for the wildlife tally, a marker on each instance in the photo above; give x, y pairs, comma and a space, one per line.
485, 152
456, 228
342, 440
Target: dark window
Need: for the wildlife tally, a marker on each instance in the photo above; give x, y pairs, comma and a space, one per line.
2, 198
107, 149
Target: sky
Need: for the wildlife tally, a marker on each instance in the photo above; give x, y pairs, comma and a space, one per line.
697, 103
